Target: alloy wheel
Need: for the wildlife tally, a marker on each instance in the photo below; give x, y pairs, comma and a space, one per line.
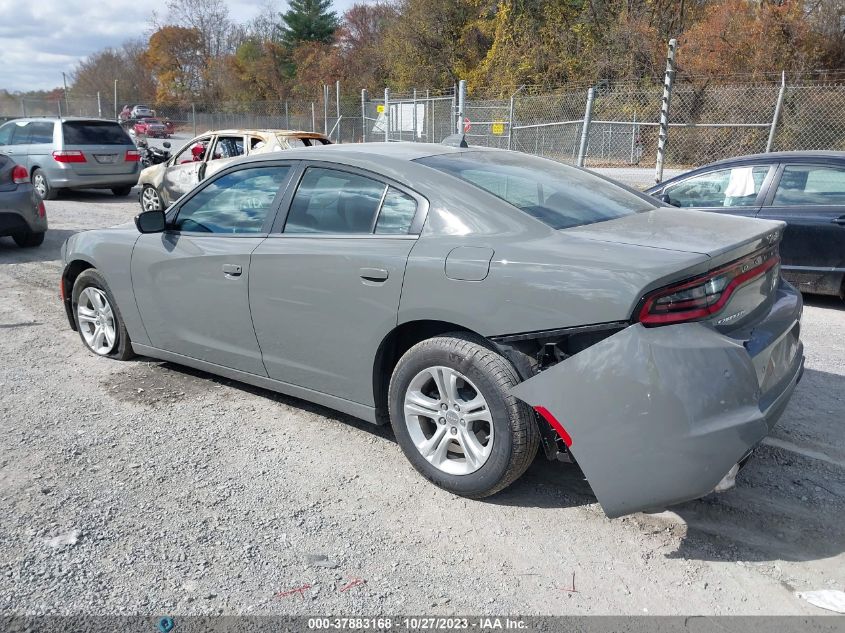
39, 183
150, 200
96, 320
448, 420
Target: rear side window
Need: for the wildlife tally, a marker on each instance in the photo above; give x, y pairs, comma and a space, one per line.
557, 195
810, 185
332, 201
41, 132
397, 213
94, 133
734, 187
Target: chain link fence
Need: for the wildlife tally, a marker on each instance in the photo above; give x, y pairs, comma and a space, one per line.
707, 121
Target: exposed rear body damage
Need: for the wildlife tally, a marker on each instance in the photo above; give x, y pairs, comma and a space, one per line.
656, 416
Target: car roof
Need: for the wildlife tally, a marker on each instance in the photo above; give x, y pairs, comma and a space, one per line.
27, 119
370, 152
297, 133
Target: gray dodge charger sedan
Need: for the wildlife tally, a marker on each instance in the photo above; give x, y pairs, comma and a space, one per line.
483, 302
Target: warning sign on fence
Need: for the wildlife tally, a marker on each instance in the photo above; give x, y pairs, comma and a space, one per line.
498, 128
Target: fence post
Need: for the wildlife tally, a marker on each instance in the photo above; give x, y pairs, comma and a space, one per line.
663, 134
59, 103
454, 107
386, 114
585, 128
23, 108
429, 115
99, 106
510, 116
337, 108
194, 117
313, 119
115, 98
287, 115
778, 107
363, 115
416, 138
326, 109
462, 98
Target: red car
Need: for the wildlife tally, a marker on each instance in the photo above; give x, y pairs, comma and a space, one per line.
155, 128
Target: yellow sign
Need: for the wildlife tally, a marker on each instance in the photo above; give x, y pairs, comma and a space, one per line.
380, 108
498, 128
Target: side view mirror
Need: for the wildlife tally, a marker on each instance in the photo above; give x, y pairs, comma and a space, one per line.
150, 222
166, 144
664, 197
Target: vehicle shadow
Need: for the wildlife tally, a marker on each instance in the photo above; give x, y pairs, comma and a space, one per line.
50, 250
824, 301
94, 196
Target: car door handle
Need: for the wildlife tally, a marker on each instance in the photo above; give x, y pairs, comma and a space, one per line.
232, 270
373, 274
840, 220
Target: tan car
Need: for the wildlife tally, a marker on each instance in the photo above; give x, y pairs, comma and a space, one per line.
208, 153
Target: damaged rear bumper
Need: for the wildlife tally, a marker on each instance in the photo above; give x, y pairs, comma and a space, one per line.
658, 416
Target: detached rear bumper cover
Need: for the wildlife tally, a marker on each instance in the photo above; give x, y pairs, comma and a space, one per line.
659, 415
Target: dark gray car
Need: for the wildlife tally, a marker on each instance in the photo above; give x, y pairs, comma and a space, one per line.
71, 153
22, 212
483, 302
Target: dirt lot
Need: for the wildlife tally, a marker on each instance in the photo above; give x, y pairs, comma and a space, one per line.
140, 487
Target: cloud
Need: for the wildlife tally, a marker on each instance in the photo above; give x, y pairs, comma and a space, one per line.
41, 40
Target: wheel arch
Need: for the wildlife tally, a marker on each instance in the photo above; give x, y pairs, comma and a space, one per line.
73, 269
398, 341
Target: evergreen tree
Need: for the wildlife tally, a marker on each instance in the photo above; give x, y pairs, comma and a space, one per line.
308, 21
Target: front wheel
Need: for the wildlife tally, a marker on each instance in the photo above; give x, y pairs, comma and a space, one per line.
97, 317
151, 199
455, 419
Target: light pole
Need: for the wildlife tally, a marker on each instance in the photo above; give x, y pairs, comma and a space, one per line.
67, 105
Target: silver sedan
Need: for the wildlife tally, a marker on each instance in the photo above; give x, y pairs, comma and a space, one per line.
484, 303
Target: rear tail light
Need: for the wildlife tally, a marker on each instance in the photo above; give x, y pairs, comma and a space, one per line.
42, 211
69, 156
20, 175
703, 296
133, 156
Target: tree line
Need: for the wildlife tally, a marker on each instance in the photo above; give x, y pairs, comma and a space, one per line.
198, 52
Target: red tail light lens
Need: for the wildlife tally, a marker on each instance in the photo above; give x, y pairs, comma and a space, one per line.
20, 175
133, 156
698, 298
69, 156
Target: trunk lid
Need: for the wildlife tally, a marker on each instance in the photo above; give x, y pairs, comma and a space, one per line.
735, 246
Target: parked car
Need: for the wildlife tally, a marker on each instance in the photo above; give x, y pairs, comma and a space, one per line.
154, 128
804, 189
141, 111
485, 302
72, 153
162, 184
22, 212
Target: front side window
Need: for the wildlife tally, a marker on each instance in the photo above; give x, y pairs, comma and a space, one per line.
810, 185
20, 134
238, 202
557, 195
734, 187
6, 133
228, 147
193, 153
332, 201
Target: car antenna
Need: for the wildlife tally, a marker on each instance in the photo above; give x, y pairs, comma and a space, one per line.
455, 140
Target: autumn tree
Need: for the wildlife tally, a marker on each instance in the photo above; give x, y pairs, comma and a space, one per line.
175, 58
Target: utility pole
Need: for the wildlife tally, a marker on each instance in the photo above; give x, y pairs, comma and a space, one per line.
663, 134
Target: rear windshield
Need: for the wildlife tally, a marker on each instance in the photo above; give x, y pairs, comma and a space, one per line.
557, 195
94, 133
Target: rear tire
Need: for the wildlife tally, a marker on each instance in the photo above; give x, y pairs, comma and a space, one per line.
479, 439
29, 239
99, 313
42, 186
121, 192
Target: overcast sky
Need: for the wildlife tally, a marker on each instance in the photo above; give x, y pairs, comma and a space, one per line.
39, 40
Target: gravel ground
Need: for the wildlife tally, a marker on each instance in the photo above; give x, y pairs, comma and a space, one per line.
142, 487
